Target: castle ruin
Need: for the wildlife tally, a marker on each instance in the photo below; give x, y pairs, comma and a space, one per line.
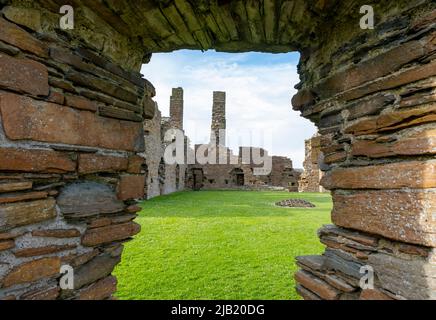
73, 102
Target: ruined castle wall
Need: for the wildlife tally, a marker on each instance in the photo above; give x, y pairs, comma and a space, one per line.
371, 94
70, 134
311, 177
71, 127
153, 154
283, 174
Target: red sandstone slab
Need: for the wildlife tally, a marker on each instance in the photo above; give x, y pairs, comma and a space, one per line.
56, 233
23, 75
80, 103
92, 163
23, 213
33, 271
373, 294
412, 174
16, 36
16, 197
39, 251
35, 160
131, 187
100, 290
28, 119
421, 142
406, 216
15, 186
107, 234
382, 65
394, 120
316, 285
6, 245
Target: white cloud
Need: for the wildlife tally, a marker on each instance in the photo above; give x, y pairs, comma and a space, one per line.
258, 95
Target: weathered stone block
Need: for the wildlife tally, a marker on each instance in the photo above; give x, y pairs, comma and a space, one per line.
394, 120
100, 290
33, 271
412, 174
379, 66
412, 279
16, 197
111, 233
92, 163
56, 97
302, 99
131, 187
135, 164
306, 294
25, 118
15, 186
422, 142
313, 262
117, 113
365, 239
24, 213
9, 235
98, 268
56, 233
16, 36
86, 199
316, 285
6, 245
149, 108
373, 294
76, 260
80, 103
393, 81
370, 106
23, 75
40, 251
101, 85
335, 157
343, 262
42, 294
35, 160
401, 215
26, 17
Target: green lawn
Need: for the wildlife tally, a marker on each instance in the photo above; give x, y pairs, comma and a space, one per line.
220, 245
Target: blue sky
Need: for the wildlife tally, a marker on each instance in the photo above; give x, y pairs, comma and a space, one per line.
259, 89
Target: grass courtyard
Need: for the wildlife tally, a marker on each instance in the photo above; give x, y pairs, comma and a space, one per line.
220, 245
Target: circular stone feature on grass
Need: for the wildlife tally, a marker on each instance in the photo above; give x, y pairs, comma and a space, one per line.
295, 203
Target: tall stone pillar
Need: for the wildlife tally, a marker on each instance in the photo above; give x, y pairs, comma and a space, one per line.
218, 118
176, 108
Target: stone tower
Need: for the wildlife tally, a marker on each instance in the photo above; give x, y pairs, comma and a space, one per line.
176, 108
218, 118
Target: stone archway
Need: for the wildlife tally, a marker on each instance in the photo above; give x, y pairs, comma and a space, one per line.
72, 104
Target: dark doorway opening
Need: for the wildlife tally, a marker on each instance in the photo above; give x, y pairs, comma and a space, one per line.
198, 176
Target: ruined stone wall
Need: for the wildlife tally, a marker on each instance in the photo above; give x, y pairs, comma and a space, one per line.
372, 95
153, 154
70, 131
283, 174
311, 177
172, 175
162, 178
70, 137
